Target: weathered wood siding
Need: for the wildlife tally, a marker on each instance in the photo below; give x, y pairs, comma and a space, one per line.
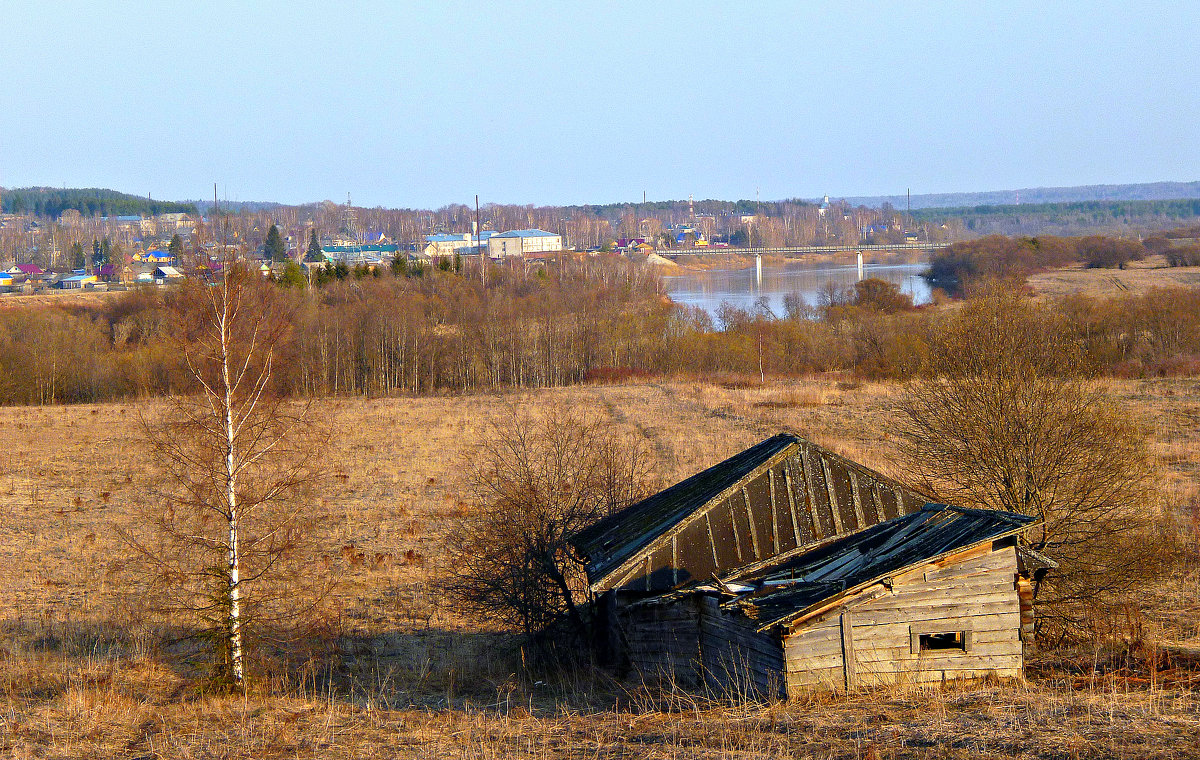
736, 658
976, 594
814, 657
662, 642
694, 643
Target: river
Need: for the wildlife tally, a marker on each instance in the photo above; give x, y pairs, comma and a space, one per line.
710, 288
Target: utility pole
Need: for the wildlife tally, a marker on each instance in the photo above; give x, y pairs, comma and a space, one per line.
479, 246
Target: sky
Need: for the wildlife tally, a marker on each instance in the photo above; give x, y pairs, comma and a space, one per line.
421, 104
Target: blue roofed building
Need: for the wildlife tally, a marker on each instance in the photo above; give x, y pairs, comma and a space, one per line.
360, 254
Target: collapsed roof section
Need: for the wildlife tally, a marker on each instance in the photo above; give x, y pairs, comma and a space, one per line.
790, 588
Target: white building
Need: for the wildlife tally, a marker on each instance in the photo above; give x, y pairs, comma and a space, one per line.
448, 244
523, 243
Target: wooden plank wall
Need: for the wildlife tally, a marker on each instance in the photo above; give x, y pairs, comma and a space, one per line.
662, 642
814, 657
737, 659
975, 594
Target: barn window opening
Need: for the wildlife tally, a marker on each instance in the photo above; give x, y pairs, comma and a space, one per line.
951, 640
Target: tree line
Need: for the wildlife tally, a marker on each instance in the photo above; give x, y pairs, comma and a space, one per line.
1072, 218
579, 320
958, 267
49, 201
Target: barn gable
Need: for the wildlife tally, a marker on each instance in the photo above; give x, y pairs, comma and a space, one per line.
774, 499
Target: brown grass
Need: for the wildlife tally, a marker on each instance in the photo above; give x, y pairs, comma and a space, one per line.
50, 297
80, 678
1139, 277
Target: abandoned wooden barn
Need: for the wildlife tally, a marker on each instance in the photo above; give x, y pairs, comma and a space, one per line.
788, 567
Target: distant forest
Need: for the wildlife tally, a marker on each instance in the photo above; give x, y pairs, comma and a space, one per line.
1144, 191
1064, 218
49, 201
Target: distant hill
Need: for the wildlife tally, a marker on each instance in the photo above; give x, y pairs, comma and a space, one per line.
52, 201
1148, 191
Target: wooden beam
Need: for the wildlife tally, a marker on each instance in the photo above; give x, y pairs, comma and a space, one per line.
750, 519
711, 541
774, 512
848, 651
818, 532
834, 506
787, 485
737, 539
858, 507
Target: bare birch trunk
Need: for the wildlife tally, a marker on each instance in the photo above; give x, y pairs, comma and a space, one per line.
234, 622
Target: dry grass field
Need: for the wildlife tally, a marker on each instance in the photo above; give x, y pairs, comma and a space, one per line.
66, 298
1139, 277
81, 676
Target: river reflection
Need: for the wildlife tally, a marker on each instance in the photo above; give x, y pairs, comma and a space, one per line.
708, 289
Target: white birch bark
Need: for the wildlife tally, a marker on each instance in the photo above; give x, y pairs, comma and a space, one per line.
234, 622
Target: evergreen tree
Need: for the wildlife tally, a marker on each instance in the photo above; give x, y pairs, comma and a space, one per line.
101, 252
293, 276
314, 248
175, 247
78, 260
400, 265
274, 249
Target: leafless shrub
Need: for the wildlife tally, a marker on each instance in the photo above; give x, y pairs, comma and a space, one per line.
1005, 417
534, 483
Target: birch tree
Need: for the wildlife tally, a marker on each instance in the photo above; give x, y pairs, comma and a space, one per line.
227, 530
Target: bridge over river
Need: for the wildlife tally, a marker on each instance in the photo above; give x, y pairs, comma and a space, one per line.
801, 250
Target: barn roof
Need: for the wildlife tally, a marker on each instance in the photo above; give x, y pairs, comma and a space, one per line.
776, 498
792, 586
617, 537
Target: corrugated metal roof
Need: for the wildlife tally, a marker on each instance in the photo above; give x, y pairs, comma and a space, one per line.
788, 588
617, 537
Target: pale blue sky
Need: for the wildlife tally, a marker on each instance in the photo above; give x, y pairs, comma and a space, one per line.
424, 103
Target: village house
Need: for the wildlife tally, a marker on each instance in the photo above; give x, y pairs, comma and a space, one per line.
787, 567
29, 270
77, 281
166, 275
